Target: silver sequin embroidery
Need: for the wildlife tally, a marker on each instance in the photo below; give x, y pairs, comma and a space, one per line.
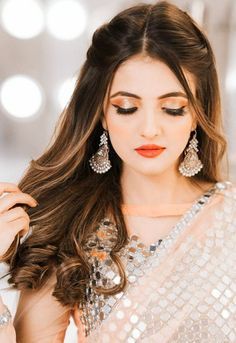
135, 257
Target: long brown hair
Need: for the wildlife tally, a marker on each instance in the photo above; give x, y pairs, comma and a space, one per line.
72, 198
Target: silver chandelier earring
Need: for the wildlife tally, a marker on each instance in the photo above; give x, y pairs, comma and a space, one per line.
191, 164
100, 162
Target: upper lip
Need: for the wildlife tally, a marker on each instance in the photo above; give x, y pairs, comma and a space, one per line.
149, 147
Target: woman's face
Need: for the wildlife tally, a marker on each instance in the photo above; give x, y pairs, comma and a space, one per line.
147, 105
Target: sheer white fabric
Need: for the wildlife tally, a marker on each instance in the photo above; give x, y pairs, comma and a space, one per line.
187, 294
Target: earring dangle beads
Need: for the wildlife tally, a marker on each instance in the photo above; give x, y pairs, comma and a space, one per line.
100, 162
191, 164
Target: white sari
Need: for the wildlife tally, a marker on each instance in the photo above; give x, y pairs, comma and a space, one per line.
186, 290
182, 289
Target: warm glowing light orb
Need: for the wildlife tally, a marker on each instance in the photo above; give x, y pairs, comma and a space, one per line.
22, 19
21, 96
66, 19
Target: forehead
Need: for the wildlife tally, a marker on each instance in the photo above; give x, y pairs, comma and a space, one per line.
149, 77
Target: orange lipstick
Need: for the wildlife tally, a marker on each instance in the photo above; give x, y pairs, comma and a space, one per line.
150, 150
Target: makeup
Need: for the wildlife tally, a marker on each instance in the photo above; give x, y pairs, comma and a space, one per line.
150, 150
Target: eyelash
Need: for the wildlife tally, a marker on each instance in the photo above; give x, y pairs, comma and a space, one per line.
122, 110
171, 111
175, 111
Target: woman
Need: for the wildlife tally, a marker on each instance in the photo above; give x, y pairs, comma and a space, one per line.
135, 226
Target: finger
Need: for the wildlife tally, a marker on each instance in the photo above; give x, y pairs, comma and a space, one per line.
8, 187
13, 214
20, 225
10, 200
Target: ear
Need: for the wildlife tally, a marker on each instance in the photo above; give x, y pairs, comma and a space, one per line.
103, 121
194, 124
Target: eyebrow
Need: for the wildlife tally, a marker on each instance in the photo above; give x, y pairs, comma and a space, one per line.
163, 96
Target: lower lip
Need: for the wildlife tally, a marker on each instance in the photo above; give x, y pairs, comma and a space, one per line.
150, 152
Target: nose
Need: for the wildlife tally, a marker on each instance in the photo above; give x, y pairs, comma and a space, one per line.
151, 124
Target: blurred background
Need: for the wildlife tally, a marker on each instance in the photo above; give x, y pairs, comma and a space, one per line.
43, 44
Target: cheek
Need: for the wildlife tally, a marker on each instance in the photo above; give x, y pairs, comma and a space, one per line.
120, 134
182, 143
175, 133
118, 129
179, 134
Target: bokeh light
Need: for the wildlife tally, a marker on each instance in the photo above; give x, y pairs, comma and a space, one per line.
230, 83
65, 91
22, 19
21, 96
66, 19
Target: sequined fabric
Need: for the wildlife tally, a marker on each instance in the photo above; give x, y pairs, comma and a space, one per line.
105, 273
180, 289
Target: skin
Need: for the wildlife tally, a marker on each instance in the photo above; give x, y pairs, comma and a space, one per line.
147, 181
144, 181
13, 220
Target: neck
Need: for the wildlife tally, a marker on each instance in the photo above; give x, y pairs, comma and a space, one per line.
150, 190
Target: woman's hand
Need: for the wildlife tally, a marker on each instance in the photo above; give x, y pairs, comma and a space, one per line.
13, 220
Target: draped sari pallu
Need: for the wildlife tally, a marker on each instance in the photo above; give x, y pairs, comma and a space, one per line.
180, 289
186, 290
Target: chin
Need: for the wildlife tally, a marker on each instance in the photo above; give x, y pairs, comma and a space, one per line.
151, 171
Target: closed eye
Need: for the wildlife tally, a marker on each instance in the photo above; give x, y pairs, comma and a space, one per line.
174, 111
122, 110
